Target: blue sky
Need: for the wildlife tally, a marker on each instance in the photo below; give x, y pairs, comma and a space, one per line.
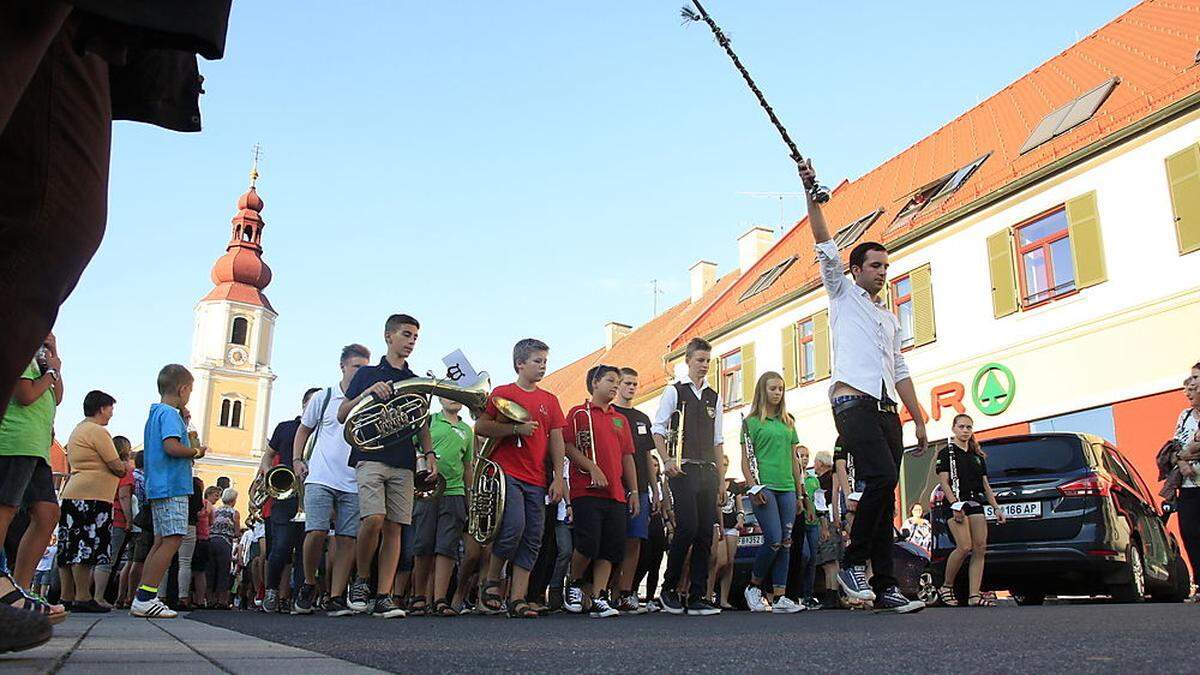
503, 170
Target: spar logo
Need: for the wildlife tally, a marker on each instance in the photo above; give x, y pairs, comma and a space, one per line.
993, 389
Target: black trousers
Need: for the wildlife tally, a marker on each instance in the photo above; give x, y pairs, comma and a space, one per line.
543, 569
650, 560
876, 442
694, 494
1188, 505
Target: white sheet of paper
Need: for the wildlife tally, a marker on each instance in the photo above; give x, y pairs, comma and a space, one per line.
459, 369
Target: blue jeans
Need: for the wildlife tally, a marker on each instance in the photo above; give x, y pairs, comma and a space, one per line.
520, 536
776, 518
562, 539
810, 541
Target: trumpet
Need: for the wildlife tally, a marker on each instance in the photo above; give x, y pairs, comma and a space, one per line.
372, 423
485, 508
751, 459
425, 487
675, 438
585, 437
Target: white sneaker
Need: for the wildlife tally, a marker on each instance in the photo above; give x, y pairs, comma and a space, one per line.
151, 609
786, 605
754, 599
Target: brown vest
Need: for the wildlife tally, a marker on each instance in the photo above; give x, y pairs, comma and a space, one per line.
700, 420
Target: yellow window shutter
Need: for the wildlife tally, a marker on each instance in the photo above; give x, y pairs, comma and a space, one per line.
748, 374
714, 373
822, 366
1183, 173
1001, 263
924, 330
1087, 247
788, 344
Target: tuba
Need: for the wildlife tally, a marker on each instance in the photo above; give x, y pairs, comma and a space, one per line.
371, 423
485, 509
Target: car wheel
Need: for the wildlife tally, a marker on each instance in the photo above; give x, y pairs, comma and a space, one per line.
1133, 585
1029, 598
1179, 583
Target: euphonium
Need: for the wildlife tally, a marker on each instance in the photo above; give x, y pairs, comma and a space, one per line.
486, 505
372, 423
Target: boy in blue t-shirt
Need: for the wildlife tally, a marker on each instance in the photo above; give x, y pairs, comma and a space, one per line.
167, 460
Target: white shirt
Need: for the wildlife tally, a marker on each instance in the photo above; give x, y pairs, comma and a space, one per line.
669, 403
866, 336
1185, 430
328, 465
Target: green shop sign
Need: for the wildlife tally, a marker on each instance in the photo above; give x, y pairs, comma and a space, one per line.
993, 389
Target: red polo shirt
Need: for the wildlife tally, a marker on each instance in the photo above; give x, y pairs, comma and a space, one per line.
611, 441
527, 461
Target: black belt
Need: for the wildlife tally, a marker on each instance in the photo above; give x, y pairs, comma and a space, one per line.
699, 462
843, 403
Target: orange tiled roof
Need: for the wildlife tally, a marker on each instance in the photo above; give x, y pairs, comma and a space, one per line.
641, 350
1152, 48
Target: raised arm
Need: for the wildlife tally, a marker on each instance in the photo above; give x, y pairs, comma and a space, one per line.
816, 219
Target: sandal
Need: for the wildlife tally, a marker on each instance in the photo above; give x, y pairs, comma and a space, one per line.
947, 597
418, 605
18, 598
443, 608
520, 609
490, 601
980, 601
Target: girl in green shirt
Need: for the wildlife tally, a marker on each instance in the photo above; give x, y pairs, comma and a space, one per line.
769, 464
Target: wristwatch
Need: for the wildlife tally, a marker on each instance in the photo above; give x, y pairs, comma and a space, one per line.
52, 373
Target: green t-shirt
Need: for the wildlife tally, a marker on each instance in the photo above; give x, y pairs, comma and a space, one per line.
773, 442
28, 430
453, 444
812, 485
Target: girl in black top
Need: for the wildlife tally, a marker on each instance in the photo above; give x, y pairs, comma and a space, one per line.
962, 472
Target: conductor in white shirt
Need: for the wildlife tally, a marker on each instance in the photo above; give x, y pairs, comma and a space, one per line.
869, 375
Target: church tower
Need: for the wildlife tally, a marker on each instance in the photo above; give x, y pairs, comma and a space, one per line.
231, 354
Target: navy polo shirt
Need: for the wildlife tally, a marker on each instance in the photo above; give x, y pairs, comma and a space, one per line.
400, 451
282, 440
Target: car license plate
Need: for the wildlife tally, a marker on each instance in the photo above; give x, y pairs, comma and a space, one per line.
750, 540
1015, 510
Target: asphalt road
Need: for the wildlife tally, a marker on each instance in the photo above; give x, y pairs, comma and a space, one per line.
1053, 638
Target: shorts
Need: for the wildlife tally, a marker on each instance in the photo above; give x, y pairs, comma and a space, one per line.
141, 546
170, 515
384, 490
438, 525
730, 532
830, 550
43, 577
324, 506
600, 526
25, 479
201, 555
638, 527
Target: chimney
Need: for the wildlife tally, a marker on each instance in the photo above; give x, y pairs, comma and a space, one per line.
704, 277
753, 245
613, 332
